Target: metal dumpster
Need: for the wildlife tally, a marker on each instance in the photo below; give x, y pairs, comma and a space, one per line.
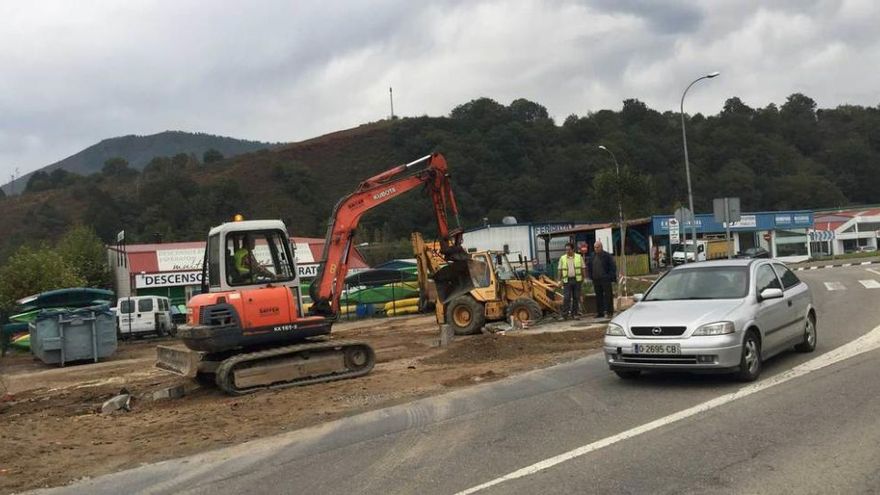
62, 336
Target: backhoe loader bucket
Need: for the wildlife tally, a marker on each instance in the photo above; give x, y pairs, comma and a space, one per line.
454, 279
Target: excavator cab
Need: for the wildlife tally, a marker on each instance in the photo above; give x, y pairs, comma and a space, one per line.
248, 254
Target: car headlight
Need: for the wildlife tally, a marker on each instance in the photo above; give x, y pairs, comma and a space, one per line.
614, 330
719, 328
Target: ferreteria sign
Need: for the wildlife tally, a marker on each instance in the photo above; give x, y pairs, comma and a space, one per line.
173, 279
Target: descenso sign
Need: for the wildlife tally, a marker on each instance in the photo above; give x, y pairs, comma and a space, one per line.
171, 279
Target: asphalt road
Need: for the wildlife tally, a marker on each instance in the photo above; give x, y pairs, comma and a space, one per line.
798, 430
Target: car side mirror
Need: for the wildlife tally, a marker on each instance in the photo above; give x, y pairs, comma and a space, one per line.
770, 294
638, 297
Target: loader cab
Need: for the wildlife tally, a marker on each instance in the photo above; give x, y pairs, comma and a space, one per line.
248, 254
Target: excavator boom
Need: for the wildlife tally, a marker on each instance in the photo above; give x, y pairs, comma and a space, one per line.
429, 172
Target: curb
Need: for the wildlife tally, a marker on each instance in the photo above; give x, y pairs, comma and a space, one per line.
836, 266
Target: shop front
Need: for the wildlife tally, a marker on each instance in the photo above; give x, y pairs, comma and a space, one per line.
784, 234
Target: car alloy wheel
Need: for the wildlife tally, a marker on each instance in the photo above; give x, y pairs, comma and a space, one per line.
750, 362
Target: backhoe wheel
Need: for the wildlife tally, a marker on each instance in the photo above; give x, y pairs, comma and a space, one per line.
524, 309
466, 315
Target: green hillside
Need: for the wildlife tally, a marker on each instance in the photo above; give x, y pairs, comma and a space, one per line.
139, 150
505, 160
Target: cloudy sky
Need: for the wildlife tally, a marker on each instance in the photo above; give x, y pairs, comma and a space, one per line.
78, 72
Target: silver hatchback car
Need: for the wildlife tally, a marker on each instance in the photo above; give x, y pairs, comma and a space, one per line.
714, 316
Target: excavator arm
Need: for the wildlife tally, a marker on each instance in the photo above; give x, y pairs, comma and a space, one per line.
429, 172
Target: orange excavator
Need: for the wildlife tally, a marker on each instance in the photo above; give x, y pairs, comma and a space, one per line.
248, 330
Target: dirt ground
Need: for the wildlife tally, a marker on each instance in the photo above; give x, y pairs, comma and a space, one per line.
52, 433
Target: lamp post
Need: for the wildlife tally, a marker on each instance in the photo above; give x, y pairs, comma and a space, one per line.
619, 217
687, 168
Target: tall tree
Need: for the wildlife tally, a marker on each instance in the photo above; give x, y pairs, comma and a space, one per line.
85, 254
31, 271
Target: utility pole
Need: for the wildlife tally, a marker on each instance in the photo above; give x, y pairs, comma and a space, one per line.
12, 183
620, 219
391, 97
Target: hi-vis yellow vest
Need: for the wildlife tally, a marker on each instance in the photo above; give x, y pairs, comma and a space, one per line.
562, 269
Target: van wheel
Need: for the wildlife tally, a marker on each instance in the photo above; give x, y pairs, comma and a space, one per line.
465, 315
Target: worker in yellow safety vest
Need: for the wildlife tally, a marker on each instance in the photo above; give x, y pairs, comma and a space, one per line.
246, 263
571, 272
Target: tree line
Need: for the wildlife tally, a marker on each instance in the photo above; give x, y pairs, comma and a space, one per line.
506, 160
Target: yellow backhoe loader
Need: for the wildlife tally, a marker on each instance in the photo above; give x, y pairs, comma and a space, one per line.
495, 290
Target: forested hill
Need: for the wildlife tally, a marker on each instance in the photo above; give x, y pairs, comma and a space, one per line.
139, 150
505, 160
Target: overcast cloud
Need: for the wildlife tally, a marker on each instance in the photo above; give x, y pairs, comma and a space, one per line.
78, 72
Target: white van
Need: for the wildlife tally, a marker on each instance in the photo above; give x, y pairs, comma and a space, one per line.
143, 314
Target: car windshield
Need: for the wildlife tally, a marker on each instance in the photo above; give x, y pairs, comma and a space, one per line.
716, 282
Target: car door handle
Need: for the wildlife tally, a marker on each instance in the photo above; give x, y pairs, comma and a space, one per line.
789, 303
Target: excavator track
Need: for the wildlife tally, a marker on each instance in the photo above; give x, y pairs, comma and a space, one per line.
294, 365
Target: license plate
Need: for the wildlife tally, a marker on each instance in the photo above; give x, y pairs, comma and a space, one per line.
657, 348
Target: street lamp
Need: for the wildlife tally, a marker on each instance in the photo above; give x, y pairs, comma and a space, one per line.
687, 168
619, 217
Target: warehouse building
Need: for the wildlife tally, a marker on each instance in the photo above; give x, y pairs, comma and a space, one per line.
516, 238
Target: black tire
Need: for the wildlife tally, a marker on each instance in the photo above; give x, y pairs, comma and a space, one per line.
811, 336
465, 315
524, 308
628, 374
750, 363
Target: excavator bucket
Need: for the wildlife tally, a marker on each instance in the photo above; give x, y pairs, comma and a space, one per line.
454, 279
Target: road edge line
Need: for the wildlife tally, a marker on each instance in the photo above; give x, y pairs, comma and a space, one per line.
866, 343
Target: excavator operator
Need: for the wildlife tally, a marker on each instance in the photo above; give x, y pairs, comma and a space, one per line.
246, 264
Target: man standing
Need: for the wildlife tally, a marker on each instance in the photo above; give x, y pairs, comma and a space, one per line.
571, 274
603, 271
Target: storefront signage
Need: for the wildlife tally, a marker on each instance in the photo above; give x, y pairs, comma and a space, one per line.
170, 260
173, 279
179, 259
664, 224
783, 219
745, 222
550, 228
307, 270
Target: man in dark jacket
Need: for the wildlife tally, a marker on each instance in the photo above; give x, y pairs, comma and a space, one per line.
602, 270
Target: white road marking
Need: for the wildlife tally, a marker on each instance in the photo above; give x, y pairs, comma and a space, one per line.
872, 270
834, 286
870, 284
865, 343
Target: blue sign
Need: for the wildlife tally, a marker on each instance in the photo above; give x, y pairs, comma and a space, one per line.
750, 222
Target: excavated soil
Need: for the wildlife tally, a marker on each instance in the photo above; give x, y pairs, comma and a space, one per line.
51, 430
